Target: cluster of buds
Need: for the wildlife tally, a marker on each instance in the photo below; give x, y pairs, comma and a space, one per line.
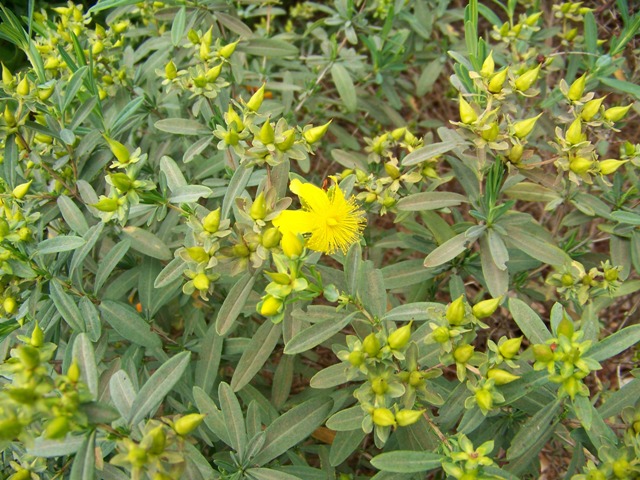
159, 453
465, 462
574, 283
572, 16
565, 359
511, 32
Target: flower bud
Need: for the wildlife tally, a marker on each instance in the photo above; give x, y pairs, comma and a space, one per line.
288, 142
577, 88
580, 165
501, 377
37, 336
121, 181
542, 353
270, 306
408, 417
491, 133
119, 150
565, 328
267, 135
383, 417
515, 154
574, 132
29, 356
467, 114
193, 36
22, 474
7, 77
73, 373
198, 254
170, 70
527, 79
256, 99
57, 428
463, 353
622, 469
415, 378
591, 109
211, 222
392, 170
379, 386
356, 358
201, 282
291, 244
523, 128
497, 81
615, 114
486, 308
227, 50
258, 209
213, 73
596, 475
441, 334
137, 456
9, 305
455, 311
271, 237
398, 133
4, 228
21, 190
371, 345
9, 117
97, 48
279, 278
107, 204
157, 439
484, 399
315, 134
571, 386
532, 20
400, 337
23, 87
609, 166
510, 348
187, 424
45, 92
488, 66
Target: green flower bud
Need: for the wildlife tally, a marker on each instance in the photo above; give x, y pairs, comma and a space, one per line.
611, 275
137, 456
392, 170
532, 20
315, 134
227, 50
567, 280
497, 81
527, 79
23, 88
211, 222
408, 417
574, 132
256, 99
198, 254
565, 327
267, 135
621, 468
596, 475
157, 439
288, 142
542, 353
415, 378
488, 66
591, 109
271, 237
170, 70
501, 377
510, 348
119, 150
7, 77
193, 36
371, 345
491, 133
455, 311
187, 424
22, 474
45, 92
467, 114
107, 204
400, 337
609, 166
201, 282
258, 209
121, 181
73, 374
484, 399
57, 428
370, 197
615, 114
576, 90
37, 336
9, 305
398, 133
379, 386
571, 386
291, 244
21, 190
4, 228
279, 278
213, 73
97, 48
383, 417
270, 306
523, 128
463, 353
9, 117
580, 165
486, 308
441, 334
356, 358
29, 356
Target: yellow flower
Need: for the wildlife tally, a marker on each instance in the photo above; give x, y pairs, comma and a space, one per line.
333, 221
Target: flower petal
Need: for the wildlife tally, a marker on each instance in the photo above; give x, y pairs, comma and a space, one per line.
312, 197
294, 221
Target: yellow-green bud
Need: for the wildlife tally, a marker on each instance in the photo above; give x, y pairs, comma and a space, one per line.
193, 36
57, 428
596, 475
532, 20
356, 358
510, 348
170, 70
408, 417
441, 334
107, 204
497, 80
574, 132
484, 399
4, 228
279, 278
371, 345
463, 353
137, 456
610, 165
198, 254
501, 377
157, 439
233, 117
9, 117
213, 73
22, 474
571, 34
467, 114
21, 190
289, 140
379, 386
97, 47
291, 244
398, 133
23, 87
267, 135
270, 306
615, 114
201, 282
7, 76
121, 181
73, 374
488, 66
415, 378
577, 88
383, 417
527, 79
9, 305
491, 133
120, 27
524, 127
515, 154
392, 170
119, 150
37, 336
315, 134
227, 50
571, 386
621, 468
542, 353
591, 109
486, 308
29, 356
187, 424
271, 237
258, 209
565, 327
455, 311
256, 99
580, 165
45, 92
611, 275
400, 337
211, 222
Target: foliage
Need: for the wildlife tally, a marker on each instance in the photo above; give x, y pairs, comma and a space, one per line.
267, 241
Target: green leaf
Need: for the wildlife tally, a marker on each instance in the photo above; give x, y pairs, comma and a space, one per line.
234, 303
66, 306
430, 201
124, 114
413, 311
584, 411
330, 377
496, 278
172, 172
62, 243
91, 237
528, 321
147, 243
432, 150
56, 448
347, 419
428, 77
282, 381
344, 84
190, 194
74, 84
352, 264
316, 334
107, 4
616, 343
268, 474
122, 392
72, 215
85, 356
617, 401
622, 86
533, 429
257, 353
268, 47
170, 273
237, 184
407, 461
451, 249
126, 321
294, 426
372, 291
158, 386
344, 444
84, 463
532, 192
178, 26
234, 419
535, 247
214, 419
405, 273
209, 359
110, 261
182, 126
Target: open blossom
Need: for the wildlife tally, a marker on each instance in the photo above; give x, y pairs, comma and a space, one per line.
333, 221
